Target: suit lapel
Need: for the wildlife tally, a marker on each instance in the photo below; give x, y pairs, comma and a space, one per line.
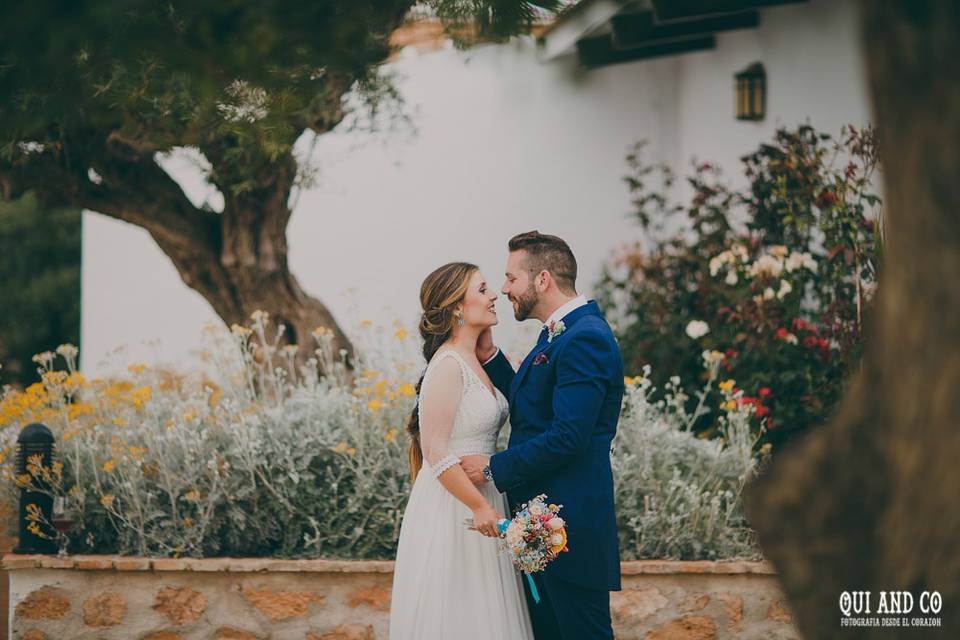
517, 379
590, 308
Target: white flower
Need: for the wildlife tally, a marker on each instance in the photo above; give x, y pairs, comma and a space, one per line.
556, 539
555, 523
768, 294
793, 262
555, 329
67, 351
709, 357
809, 262
778, 250
717, 261
697, 329
514, 533
44, 357
784, 289
792, 339
535, 510
766, 265
731, 278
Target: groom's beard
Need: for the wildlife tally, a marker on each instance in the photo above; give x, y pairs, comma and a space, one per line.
525, 303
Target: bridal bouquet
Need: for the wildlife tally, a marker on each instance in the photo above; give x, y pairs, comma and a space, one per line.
535, 536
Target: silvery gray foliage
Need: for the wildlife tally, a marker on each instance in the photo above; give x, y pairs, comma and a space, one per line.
249, 460
677, 495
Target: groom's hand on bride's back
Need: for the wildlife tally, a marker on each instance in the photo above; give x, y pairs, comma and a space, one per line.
473, 466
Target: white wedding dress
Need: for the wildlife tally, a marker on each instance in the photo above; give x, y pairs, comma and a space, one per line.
450, 582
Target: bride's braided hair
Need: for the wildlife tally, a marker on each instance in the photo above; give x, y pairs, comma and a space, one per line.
440, 292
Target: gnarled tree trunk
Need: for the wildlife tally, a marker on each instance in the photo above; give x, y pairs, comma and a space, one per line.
869, 502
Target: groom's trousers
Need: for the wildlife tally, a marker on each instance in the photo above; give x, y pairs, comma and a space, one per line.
567, 611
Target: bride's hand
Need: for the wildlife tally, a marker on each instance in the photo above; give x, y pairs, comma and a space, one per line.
485, 346
485, 519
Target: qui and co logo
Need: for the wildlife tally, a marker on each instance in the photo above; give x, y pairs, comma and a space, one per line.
890, 609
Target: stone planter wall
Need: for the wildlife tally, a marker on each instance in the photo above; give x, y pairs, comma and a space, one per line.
114, 597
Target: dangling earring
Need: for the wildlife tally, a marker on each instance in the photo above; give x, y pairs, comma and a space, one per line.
459, 319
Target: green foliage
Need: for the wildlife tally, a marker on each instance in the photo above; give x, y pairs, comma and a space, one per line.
778, 275
40, 285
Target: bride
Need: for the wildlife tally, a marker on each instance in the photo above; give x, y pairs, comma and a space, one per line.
450, 582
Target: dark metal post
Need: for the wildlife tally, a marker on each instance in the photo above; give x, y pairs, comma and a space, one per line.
35, 439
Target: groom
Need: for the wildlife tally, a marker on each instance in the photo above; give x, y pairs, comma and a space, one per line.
564, 405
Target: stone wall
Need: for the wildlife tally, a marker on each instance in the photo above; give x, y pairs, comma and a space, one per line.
114, 597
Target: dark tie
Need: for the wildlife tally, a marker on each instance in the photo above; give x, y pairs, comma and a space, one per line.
543, 336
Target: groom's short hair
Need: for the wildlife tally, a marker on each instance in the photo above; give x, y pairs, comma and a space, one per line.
548, 253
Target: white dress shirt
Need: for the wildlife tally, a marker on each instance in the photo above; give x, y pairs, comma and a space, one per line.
559, 313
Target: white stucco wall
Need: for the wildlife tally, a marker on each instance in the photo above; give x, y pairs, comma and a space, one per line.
504, 144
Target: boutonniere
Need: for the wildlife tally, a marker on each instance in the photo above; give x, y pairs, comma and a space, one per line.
556, 328
541, 358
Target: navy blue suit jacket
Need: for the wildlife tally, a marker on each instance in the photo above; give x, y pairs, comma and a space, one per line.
563, 417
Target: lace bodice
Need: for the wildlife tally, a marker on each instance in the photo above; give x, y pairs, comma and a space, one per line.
475, 424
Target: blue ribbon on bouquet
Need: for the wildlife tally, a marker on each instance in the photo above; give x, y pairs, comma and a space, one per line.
502, 528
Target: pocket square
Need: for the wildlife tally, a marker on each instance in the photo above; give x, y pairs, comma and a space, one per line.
540, 359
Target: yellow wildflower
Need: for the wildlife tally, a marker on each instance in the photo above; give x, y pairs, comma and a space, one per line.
75, 380
120, 422
407, 390
391, 434
189, 414
351, 451
340, 448
140, 395
192, 496
729, 405
366, 323
187, 522
380, 388
401, 334
727, 385
373, 405
109, 465
106, 500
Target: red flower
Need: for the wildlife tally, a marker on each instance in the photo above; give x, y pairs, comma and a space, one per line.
811, 341
781, 333
827, 199
763, 392
730, 353
761, 410
799, 324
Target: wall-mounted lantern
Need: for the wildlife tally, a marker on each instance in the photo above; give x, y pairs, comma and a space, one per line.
751, 92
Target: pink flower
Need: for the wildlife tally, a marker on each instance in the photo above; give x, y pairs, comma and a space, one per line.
540, 359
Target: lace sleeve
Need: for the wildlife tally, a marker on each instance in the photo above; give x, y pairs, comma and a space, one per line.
438, 412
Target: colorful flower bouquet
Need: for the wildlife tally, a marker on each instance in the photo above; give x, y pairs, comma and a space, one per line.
535, 537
